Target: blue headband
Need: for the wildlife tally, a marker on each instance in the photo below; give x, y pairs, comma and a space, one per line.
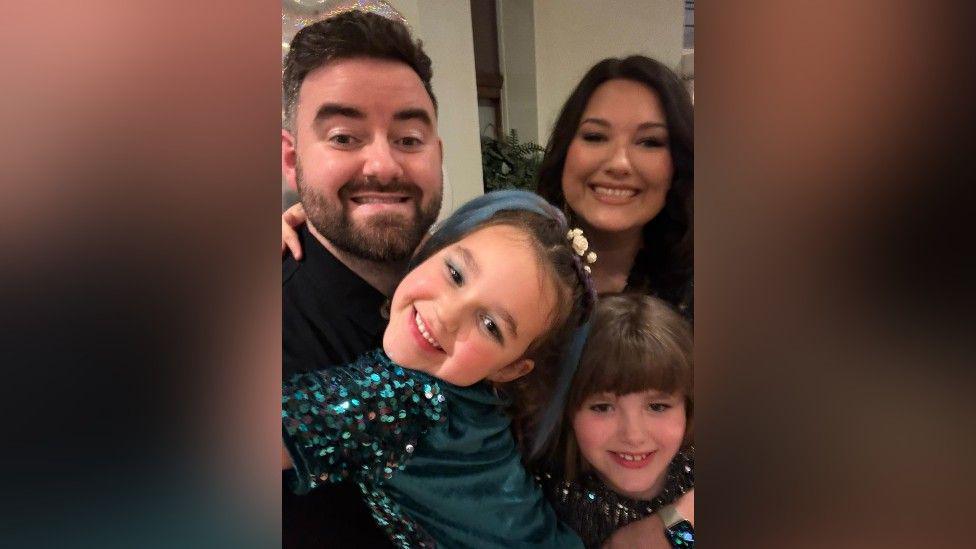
476, 212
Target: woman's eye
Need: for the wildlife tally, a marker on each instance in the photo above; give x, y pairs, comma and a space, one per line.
652, 143
491, 327
658, 406
593, 137
602, 407
455, 275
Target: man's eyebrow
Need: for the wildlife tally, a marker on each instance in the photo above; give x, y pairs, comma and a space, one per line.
644, 126
413, 114
472, 265
328, 110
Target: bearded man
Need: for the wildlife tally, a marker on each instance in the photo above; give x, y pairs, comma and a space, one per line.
360, 144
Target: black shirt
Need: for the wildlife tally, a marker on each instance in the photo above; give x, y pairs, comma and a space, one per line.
329, 316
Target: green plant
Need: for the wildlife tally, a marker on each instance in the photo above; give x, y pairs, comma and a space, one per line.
507, 163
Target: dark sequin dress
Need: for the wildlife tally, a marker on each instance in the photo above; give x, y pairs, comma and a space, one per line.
434, 461
595, 511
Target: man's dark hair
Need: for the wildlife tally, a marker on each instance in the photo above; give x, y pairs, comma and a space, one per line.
348, 35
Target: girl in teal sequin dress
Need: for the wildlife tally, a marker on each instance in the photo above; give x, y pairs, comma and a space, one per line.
625, 452
477, 328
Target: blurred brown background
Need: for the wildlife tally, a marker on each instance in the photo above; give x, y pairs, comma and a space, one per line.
139, 220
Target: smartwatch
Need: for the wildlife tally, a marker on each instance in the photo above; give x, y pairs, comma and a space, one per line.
677, 529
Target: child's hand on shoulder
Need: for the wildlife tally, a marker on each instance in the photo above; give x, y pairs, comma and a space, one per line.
648, 533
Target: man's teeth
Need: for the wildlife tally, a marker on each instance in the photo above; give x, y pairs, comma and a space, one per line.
378, 199
424, 332
633, 457
617, 193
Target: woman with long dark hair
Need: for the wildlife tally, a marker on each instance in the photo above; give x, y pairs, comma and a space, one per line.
620, 162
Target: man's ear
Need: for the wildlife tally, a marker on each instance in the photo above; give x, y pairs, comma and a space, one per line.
289, 158
513, 371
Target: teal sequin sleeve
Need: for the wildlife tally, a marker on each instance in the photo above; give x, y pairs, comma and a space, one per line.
360, 421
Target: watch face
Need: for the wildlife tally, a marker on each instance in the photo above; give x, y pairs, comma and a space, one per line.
681, 535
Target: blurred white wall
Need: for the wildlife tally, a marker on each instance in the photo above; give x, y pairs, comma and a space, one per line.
516, 44
566, 38
445, 28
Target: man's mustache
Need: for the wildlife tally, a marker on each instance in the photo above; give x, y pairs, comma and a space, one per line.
372, 186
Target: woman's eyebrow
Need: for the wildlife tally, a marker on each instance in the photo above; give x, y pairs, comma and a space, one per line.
644, 126
598, 121
649, 125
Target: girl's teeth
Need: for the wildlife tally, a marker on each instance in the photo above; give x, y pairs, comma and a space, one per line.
424, 332
633, 457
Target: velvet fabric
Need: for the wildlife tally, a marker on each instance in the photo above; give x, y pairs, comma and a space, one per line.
466, 484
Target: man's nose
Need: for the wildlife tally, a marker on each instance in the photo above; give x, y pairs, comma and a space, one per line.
380, 162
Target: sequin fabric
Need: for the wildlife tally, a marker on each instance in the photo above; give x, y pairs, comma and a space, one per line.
595, 511
361, 422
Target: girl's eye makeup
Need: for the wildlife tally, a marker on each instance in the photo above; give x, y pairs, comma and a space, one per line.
487, 322
454, 273
492, 328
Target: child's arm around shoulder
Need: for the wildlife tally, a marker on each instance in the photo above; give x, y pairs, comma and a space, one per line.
648, 533
364, 419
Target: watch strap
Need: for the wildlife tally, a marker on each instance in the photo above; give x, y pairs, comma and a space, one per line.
669, 515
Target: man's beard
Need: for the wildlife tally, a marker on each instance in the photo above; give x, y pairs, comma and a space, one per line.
382, 237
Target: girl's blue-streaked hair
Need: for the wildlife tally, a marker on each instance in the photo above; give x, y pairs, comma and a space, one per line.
539, 397
476, 213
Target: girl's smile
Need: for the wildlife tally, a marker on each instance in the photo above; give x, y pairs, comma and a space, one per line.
630, 460
422, 334
631, 439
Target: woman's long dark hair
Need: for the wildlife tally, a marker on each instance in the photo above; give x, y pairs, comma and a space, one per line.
664, 266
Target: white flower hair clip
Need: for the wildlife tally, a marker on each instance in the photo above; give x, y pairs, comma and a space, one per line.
580, 246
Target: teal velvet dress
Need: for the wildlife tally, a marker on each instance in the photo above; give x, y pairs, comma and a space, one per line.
436, 463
